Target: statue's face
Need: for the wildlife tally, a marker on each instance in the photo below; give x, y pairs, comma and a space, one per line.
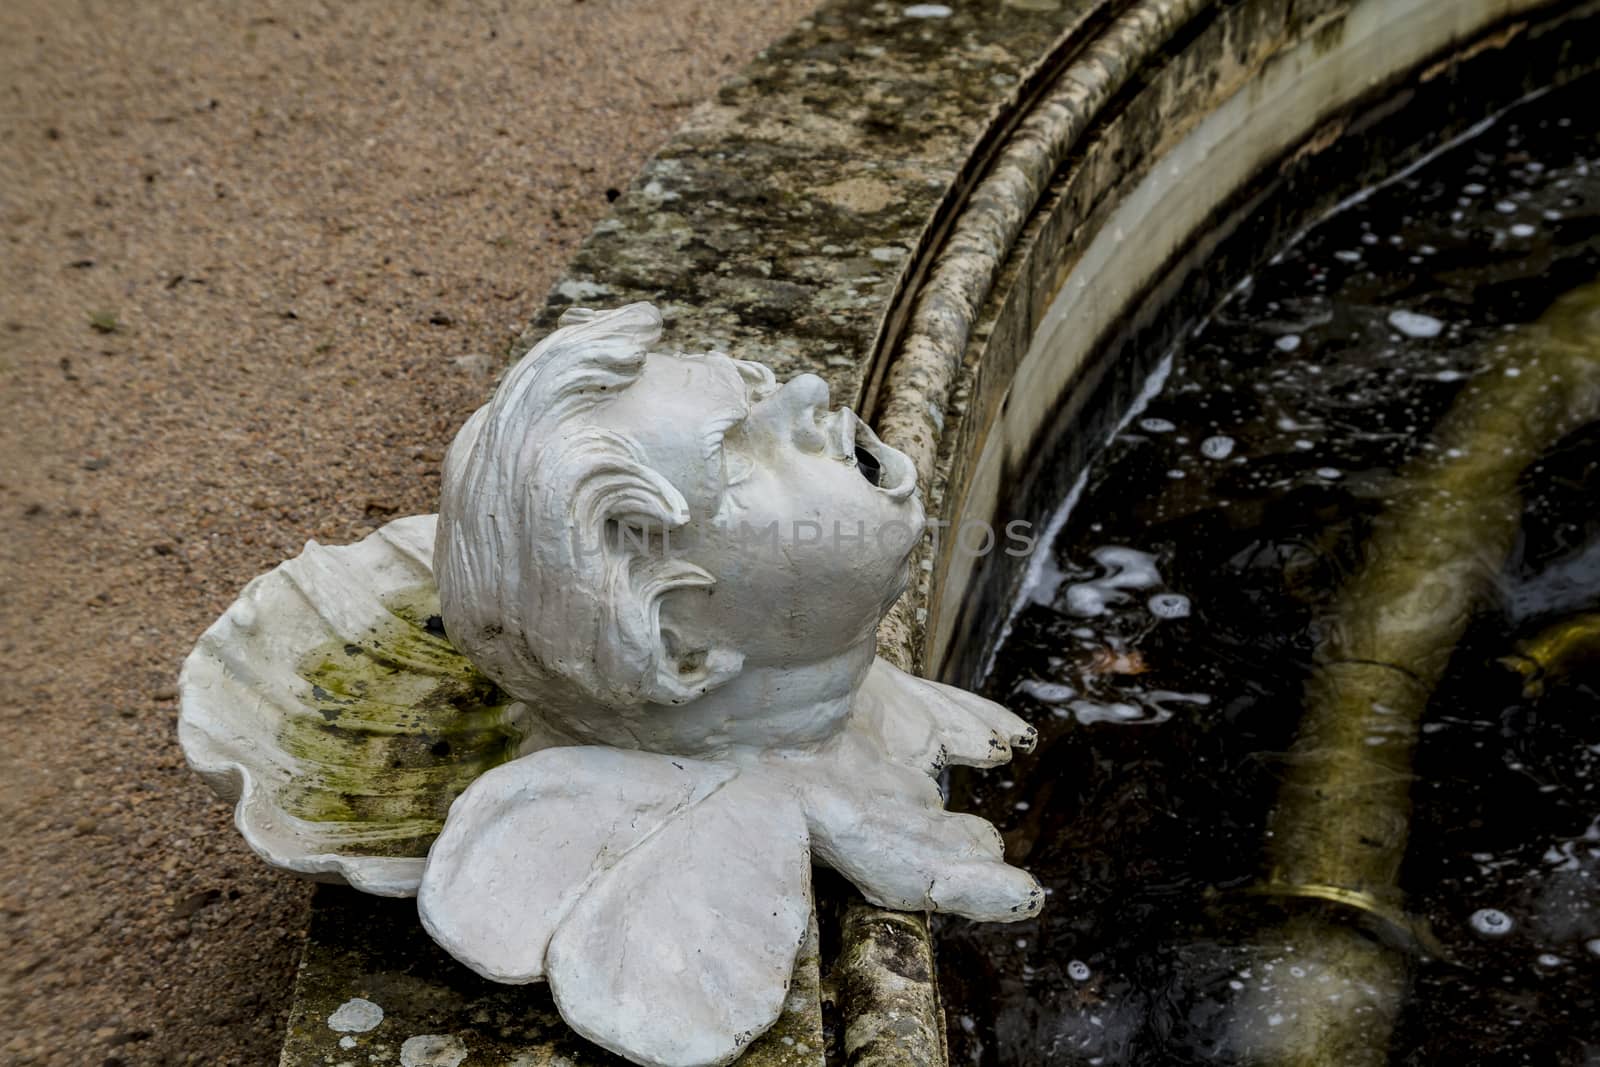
802, 515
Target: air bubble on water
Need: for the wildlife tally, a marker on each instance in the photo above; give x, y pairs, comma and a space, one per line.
1347, 255
1506, 207
1156, 426
1491, 922
1175, 474
1169, 606
1415, 324
1219, 447
1303, 445
1474, 189
1593, 945
1550, 959
1522, 229
1288, 342
1331, 474
1078, 971
1448, 376
1513, 372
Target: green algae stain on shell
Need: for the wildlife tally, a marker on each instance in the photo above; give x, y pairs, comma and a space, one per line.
400, 724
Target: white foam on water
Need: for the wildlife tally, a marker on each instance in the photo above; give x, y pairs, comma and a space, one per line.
1288, 342
1156, 426
1218, 447
1160, 698
1089, 712
1415, 324
1078, 971
1046, 692
1043, 578
1127, 569
927, 11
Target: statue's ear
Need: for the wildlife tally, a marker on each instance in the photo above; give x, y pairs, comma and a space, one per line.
687, 668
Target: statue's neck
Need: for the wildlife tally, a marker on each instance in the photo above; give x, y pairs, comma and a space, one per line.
778, 706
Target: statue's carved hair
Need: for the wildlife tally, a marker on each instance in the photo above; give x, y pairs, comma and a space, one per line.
537, 587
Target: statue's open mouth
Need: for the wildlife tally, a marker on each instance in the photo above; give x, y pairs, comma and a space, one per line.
888, 469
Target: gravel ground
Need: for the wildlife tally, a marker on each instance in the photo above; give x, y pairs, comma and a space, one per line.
257, 262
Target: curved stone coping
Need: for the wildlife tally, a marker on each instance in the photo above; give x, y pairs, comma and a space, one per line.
1014, 323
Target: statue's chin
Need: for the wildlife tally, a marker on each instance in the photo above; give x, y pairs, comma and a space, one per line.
740, 716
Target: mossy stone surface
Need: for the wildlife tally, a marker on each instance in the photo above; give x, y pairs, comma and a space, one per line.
373, 949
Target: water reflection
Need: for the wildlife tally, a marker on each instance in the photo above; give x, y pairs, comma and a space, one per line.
1165, 647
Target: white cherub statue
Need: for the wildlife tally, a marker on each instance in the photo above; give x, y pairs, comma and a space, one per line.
665, 573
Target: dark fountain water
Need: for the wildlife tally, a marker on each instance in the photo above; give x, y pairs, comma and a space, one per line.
1165, 646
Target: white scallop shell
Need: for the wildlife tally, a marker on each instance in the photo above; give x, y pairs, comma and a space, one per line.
329, 707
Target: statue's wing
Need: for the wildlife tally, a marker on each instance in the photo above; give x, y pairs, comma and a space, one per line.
664, 899
328, 706
927, 724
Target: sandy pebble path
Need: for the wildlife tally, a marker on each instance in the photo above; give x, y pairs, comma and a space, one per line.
257, 262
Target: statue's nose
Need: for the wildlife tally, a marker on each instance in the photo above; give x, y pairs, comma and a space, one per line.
792, 412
